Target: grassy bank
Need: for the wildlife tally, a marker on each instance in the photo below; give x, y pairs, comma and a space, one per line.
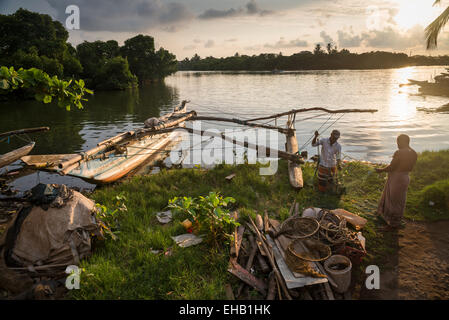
126, 268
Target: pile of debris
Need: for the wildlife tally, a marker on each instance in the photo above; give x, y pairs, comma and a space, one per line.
307, 257
52, 230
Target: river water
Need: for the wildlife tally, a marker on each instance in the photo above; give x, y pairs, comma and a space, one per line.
247, 95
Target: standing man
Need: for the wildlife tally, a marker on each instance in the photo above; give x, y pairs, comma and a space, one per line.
330, 159
392, 203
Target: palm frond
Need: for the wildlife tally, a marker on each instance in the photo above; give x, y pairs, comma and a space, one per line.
433, 29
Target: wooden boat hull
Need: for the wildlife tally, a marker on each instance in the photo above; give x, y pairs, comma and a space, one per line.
114, 167
14, 155
294, 169
46, 162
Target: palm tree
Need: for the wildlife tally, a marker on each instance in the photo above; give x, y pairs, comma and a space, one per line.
433, 29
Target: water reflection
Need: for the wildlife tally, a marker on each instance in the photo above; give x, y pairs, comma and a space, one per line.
248, 95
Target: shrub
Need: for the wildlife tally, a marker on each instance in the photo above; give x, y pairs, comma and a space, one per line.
210, 213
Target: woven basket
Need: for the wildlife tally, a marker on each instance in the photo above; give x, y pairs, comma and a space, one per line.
299, 227
300, 252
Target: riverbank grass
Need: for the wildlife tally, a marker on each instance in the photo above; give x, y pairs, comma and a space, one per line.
129, 268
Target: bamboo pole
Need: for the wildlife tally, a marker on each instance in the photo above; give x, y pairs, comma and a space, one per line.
244, 123
23, 131
101, 146
271, 260
294, 111
281, 154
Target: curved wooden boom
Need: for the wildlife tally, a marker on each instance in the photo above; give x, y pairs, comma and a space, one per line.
294, 111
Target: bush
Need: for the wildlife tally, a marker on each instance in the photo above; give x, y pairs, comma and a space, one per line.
115, 75
211, 214
436, 195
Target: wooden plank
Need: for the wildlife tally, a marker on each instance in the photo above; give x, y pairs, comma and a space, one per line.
229, 292
263, 264
46, 161
266, 222
294, 169
230, 177
259, 222
272, 261
238, 237
271, 287
238, 271
14, 155
330, 294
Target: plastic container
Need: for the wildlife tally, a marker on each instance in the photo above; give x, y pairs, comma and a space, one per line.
341, 276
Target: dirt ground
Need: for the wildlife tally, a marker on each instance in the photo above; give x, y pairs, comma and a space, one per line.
420, 268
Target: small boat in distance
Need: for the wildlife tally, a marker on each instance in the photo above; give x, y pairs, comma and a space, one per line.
438, 88
10, 157
115, 157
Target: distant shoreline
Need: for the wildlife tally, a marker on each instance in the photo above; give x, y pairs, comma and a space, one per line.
306, 60
301, 70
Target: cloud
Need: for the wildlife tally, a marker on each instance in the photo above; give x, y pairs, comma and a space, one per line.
209, 44
326, 38
348, 40
190, 47
393, 39
387, 38
123, 16
282, 43
251, 8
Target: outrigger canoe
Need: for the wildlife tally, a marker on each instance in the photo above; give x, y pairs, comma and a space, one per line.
15, 155
114, 158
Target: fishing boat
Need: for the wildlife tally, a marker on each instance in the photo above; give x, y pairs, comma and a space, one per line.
10, 157
15, 155
115, 157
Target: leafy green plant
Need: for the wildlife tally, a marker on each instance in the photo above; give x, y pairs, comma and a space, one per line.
108, 218
45, 88
210, 213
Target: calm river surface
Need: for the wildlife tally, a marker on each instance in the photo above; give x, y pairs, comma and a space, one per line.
247, 95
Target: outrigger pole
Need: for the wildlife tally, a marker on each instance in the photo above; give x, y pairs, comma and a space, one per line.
269, 151
243, 123
295, 111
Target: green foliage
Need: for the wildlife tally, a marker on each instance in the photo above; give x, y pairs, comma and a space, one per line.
115, 75
109, 219
45, 88
211, 213
94, 55
144, 62
33, 40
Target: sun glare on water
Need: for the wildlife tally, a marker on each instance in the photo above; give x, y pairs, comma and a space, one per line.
400, 107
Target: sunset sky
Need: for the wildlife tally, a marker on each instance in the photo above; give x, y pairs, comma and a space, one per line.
224, 27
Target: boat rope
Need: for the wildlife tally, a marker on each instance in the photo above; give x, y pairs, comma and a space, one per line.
26, 138
311, 138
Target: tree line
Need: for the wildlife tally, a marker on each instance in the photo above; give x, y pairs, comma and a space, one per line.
319, 59
33, 40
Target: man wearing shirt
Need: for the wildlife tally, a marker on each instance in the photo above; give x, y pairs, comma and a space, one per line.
330, 159
392, 204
